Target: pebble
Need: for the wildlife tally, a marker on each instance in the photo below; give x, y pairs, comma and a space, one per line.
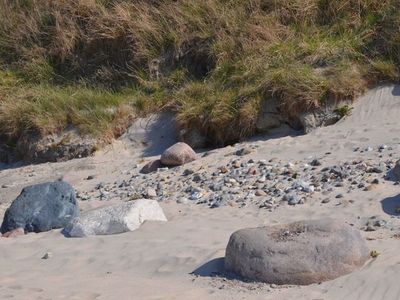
183, 200
315, 163
47, 255
244, 182
260, 193
188, 172
292, 199
243, 151
151, 193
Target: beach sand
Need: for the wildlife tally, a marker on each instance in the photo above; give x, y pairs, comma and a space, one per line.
178, 259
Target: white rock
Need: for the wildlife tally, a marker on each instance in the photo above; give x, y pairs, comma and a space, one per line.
151, 193
115, 219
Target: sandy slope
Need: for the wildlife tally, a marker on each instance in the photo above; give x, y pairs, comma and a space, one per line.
156, 261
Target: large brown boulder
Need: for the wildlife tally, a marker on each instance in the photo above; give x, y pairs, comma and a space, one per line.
301, 253
177, 155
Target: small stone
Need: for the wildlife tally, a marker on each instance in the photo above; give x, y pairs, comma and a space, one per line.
90, 177
196, 178
47, 255
315, 163
99, 186
243, 151
380, 223
188, 172
326, 200
252, 171
370, 187
260, 193
382, 147
375, 181
338, 196
370, 228
292, 199
378, 169
183, 200
236, 164
262, 179
14, 233
196, 196
262, 162
151, 193
223, 170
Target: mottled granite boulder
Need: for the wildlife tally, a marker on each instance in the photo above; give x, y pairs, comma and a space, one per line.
301, 253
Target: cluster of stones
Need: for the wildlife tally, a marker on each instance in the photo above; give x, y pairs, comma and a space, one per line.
243, 181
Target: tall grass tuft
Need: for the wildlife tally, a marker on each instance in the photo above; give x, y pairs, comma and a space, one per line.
214, 61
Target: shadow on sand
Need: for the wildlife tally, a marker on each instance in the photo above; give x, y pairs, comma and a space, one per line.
396, 90
211, 268
391, 205
154, 133
216, 268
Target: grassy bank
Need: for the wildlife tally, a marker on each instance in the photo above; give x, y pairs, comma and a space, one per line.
97, 64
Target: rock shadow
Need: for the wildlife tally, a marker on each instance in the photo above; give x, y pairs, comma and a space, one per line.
14, 165
211, 268
277, 133
216, 268
390, 205
396, 90
153, 134
390, 176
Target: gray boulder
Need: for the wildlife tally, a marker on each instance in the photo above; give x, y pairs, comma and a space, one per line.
115, 219
302, 253
41, 207
178, 154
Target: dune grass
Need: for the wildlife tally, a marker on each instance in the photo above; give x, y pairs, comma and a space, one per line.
47, 109
88, 62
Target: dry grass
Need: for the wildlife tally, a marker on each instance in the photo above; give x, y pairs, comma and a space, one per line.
214, 61
45, 109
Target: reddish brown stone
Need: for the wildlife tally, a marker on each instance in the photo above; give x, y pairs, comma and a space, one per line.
14, 233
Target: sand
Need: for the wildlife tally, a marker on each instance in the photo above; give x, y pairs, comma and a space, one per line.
176, 260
